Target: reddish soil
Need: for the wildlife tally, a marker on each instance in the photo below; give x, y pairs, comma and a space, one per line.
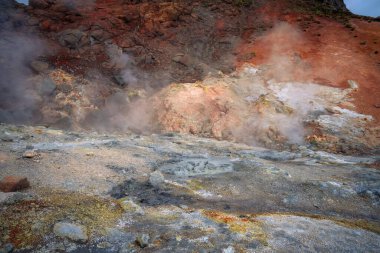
325, 51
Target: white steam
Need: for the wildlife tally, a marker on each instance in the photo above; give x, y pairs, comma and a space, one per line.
18, 97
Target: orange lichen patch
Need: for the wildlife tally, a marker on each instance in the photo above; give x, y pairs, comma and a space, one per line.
316, 138
244, 225
61, 77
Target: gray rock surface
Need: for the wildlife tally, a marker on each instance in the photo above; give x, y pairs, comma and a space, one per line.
301, 234
156, 179
71, 231
220, 195
10, 198
72, 38
143, 240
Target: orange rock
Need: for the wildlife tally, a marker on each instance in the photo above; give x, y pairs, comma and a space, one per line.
45, 25
13, 183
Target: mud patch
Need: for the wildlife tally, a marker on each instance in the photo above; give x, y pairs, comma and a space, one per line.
197, 166
145, 194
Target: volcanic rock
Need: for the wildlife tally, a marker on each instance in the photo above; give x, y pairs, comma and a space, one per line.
72, 38
39, 66
39, 4
13, 183
7, 4
74, 232
30, 154
7, 248
156, 179
143, 240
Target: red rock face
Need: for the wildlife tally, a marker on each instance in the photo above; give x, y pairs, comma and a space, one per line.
13, 183
312, 48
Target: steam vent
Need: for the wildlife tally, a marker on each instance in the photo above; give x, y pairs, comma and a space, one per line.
202, 126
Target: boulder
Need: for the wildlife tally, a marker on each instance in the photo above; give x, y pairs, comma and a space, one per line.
72, 38
74, 232
7, 248
143, 240
39, 66
156, 179
30, 154
99, 35
120, 80
13, 183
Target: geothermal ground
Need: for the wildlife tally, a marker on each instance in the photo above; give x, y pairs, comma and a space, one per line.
174, 192
189, 126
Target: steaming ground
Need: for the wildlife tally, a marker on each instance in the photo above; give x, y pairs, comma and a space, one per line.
250, 105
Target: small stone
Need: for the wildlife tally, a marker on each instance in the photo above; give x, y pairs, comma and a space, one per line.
120, 81
130, 206
6, 138
143, 240
181, 59
156, 179
104, 245
72, 38
30, 154
74, 232
8, 247
13, 183
230, 249
39, 66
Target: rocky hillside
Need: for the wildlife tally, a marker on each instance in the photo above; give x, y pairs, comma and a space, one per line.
105, 64
188, 126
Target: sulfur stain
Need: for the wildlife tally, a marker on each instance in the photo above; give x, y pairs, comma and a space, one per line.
195, 184
246, 225
161, 215
25, 223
